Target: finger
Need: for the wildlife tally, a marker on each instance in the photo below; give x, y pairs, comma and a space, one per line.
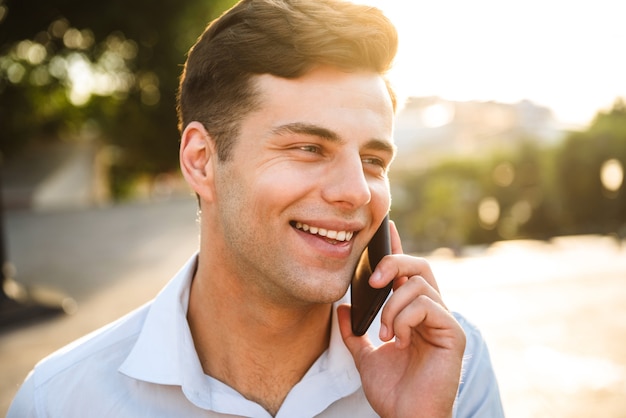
396, 248
396, 242
431, 321
414, 287
356, 345
399, 267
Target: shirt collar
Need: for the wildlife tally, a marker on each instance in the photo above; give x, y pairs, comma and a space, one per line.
165, 354
155, 356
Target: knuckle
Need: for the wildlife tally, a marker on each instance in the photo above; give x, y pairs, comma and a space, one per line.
417, 283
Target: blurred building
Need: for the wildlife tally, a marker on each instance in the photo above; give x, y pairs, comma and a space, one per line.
56, 175
428, 128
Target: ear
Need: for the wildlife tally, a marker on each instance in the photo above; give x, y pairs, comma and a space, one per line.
197, 156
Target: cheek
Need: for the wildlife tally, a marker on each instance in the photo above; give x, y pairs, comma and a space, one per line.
284, 182
381, 197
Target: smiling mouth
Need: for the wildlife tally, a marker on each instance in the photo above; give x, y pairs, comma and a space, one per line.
329, 234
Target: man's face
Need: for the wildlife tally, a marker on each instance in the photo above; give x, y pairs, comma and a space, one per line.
311, 161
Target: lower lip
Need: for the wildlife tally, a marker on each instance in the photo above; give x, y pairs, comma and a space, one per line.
338, 249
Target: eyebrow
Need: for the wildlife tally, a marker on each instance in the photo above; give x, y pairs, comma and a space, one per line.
327, 134
307, 129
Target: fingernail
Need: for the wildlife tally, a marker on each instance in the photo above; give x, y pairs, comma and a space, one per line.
383, 332
376, 276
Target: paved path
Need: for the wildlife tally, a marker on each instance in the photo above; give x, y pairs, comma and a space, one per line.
554, 314
110, 260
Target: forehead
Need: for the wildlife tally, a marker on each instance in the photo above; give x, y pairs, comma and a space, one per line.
358, 100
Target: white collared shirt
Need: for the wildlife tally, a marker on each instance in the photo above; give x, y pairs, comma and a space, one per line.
145, 365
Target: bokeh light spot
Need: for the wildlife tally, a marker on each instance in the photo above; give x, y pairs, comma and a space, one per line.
488, 212
612, 175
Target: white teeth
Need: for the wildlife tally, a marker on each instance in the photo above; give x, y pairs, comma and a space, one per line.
328, 233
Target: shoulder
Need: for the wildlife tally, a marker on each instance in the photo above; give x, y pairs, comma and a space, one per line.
95, 346
81, 369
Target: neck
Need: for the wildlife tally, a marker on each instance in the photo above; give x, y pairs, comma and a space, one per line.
258, 348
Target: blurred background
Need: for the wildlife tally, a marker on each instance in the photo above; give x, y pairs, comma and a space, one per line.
509, 177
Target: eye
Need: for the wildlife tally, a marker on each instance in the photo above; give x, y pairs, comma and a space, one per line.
310, 148
375, 161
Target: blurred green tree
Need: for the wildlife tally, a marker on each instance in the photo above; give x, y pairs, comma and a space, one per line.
532, 191
521, 183
590, 175
436, 207
73, 69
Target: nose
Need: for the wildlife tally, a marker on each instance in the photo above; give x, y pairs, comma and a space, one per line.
347, 184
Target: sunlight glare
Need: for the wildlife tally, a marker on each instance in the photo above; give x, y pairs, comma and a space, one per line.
81, 78
612, 175
437, 115
512, 50
572, 373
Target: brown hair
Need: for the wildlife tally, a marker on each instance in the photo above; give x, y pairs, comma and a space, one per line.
285, 38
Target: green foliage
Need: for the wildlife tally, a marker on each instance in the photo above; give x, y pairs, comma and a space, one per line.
587, 204
531, 192
111, 66
437, 205
138, 48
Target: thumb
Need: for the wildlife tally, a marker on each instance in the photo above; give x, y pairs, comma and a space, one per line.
357, 345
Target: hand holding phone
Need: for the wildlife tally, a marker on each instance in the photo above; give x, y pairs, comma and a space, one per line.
366, 300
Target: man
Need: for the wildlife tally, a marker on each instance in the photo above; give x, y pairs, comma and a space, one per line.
286, 122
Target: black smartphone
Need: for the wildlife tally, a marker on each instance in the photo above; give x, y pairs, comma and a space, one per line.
366, 300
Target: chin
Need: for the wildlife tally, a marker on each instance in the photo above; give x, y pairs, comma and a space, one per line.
331, 295
322, 287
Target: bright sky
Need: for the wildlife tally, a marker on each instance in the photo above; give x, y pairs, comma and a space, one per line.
568, 55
